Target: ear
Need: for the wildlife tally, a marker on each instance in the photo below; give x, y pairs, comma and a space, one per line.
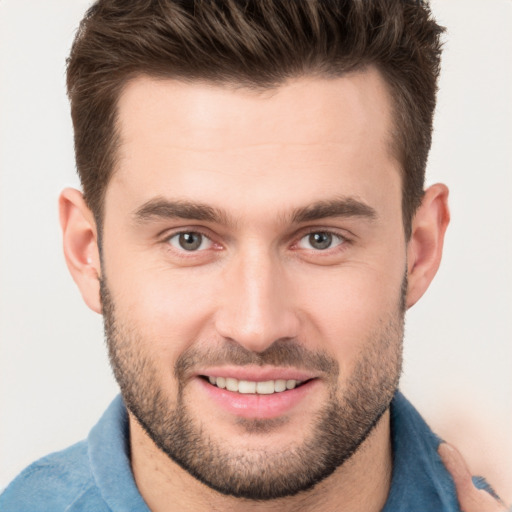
425, 247
80, 241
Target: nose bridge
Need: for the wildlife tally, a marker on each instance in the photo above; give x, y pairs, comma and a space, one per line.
256, 310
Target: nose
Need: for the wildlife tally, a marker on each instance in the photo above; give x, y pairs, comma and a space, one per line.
256, 304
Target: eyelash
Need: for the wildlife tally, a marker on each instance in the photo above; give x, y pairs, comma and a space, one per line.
333, 234
344, 241
183, 252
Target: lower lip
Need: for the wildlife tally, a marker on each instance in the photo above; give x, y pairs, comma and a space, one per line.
256, 406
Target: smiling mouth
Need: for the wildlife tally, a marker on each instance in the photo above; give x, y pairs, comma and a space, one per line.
268, 387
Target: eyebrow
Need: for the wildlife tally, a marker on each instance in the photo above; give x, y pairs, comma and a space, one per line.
340, 207
161, 208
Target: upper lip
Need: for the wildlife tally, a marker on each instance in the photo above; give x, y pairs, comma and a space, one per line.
257, 373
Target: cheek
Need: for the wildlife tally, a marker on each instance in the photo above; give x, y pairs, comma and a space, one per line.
169, 309
348, 308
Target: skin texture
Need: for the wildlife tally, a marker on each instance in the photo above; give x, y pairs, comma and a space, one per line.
260, 162
257, 469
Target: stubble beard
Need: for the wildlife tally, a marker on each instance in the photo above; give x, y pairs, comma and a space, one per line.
331, 438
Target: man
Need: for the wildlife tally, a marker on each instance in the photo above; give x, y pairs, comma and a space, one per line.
253, 228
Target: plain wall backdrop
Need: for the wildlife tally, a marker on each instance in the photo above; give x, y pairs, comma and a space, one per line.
54, 376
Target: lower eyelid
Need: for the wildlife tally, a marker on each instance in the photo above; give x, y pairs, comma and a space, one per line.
338, 240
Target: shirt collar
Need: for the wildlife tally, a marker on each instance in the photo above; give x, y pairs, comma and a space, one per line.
109, 449
420, 481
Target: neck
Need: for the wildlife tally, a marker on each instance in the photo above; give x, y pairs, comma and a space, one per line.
361, 484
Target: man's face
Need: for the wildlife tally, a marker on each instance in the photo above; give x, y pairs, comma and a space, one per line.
253, 275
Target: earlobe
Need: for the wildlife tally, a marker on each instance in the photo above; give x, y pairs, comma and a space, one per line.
425, 246
80, 244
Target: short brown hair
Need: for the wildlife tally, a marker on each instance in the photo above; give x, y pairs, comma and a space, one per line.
253, 43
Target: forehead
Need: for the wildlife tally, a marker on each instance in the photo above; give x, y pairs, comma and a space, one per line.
211, 141
316, 108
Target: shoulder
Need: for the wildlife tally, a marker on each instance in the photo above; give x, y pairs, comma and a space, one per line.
61, 481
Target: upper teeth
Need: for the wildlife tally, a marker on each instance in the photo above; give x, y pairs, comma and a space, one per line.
246, 386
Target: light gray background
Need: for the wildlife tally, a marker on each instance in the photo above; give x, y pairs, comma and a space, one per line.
54, 375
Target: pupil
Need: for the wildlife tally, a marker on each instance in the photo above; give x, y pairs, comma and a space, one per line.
320, 240
190, 241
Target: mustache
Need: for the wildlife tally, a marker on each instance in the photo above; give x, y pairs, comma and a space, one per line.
284, 352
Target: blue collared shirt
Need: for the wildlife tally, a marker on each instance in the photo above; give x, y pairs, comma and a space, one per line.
95, 475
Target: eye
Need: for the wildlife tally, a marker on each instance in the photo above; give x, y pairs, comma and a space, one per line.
190, 241
320, 241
